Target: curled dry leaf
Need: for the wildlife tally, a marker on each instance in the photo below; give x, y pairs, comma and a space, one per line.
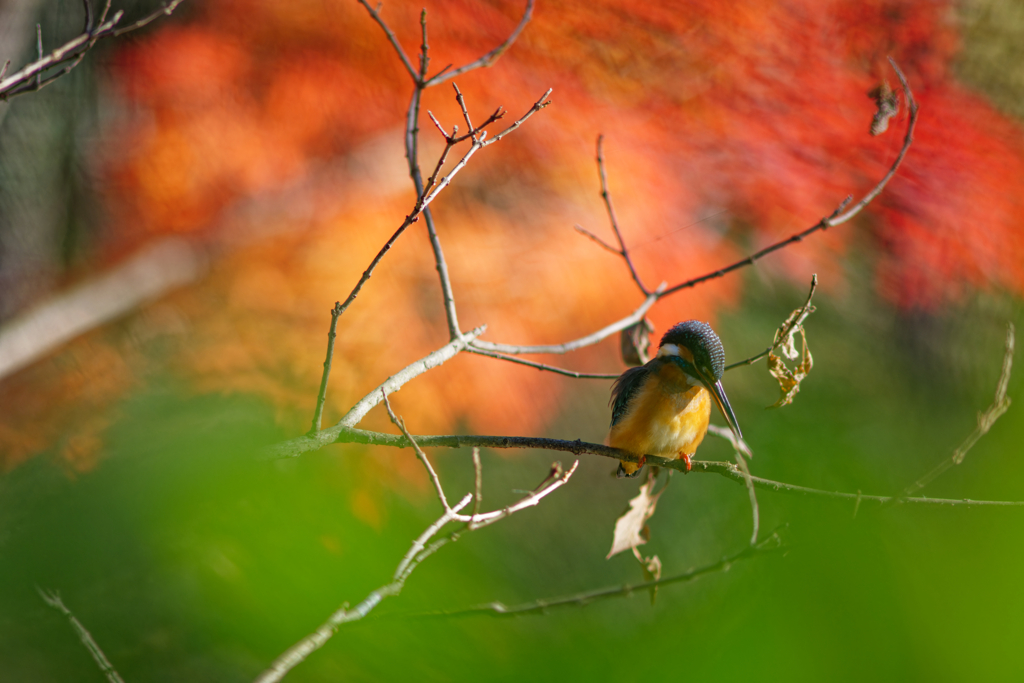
785, 344
888, 106
630, 528
635, 342
789, 380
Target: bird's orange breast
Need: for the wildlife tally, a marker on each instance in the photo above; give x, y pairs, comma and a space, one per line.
666, 417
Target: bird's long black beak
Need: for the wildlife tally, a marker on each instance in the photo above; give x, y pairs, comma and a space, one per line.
714, 387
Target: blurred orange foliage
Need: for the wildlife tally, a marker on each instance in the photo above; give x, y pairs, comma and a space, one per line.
272, 134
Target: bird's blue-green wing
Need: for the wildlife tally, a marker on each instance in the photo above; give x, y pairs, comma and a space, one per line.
625, 387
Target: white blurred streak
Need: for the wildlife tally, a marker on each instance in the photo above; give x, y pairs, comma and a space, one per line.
149, 274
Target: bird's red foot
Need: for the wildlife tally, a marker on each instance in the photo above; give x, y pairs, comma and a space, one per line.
686, 459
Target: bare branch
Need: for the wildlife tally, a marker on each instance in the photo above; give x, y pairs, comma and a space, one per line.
397, 380
88, 18
298, 653
425, 197
412, 558
412, 156
488, 59
772, 544
907, 139
424, 49
591, 339
375, 15
462, 105
478, 480
837, 217
321, 396
52, 598
782, 334
586, 233
555, 480
741, 464
607, 197
313, 442
537, 106
33, 76
423, 547
578, 447
1000, 404
400, 423
542, 366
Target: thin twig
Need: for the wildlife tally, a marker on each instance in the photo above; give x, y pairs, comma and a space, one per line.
837, 217
1000, 404
555, 480
542, 366
589, 340
771, 544
423, 201
907, 139
462, 105
783, 334
52, 598
488, 59
312, 442
537, 106
88, 19
424, 50
412, 156
421, 548
478, 481
39, 49
321, 396
375, 15
32, 77
106, 10
607, 197
298, 653
400, 423
748, 480
600, 242
420, 82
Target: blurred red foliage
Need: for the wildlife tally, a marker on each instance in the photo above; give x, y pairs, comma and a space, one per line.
272, 133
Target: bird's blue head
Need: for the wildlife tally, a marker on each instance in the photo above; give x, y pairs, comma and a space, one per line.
697, 343
695, 348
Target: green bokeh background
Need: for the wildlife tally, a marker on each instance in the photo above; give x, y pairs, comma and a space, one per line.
191, 559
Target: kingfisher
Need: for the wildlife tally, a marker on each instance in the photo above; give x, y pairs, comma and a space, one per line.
663, 407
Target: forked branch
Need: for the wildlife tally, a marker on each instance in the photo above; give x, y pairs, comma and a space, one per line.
422, 547
607, 198
838, 217
45, 69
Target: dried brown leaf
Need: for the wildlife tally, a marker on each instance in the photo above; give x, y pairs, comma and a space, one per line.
629, 528
888, 106
635, 342
789, 380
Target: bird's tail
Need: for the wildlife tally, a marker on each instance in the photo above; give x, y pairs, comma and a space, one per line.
623, 473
